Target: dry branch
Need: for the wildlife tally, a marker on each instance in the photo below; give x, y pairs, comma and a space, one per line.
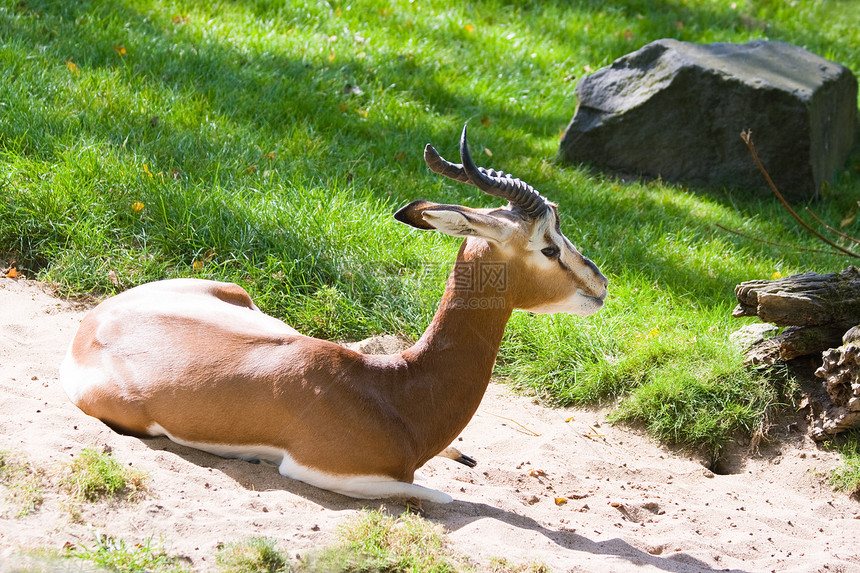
747, 137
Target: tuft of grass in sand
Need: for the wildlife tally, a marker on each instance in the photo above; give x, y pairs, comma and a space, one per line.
93, 475
22, 486
256, 555
112, 554
847, 477
376, 541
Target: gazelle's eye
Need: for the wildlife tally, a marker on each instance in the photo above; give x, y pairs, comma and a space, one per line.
550, 252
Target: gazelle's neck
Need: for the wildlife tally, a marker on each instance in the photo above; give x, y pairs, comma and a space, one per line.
453, 361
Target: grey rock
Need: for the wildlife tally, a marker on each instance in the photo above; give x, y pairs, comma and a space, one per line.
676, 110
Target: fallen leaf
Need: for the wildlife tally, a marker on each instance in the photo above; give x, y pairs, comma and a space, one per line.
137, 206
197, 265
146, 169
560, 500
488, 152
112, 278
536, 473
569, 420
485, 121
73, 67
628, 35
469, 28
846, 221
12, 274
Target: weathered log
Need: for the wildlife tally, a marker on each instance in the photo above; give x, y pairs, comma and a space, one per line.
793, 342
807, 299
840, 371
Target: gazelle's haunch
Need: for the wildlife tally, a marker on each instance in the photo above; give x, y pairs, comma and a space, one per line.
198, 362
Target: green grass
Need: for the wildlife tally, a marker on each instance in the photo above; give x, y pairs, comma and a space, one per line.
847, 477
142, 140
376, 541
256, 555
111, 554
95, 475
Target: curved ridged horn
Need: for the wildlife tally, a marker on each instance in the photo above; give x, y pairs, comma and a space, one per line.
490, 181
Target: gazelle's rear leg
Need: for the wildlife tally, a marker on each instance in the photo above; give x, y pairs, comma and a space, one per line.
458, 456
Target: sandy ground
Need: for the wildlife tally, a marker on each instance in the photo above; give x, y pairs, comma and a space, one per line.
631, 505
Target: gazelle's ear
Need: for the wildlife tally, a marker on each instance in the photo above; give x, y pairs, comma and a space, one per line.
456, 221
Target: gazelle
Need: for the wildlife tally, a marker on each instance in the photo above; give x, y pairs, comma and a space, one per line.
197, 361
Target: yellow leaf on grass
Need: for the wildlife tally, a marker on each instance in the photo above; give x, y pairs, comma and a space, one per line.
653, 333
137, 206
776, 275
73, 67
469, 28
146, 169
197, 265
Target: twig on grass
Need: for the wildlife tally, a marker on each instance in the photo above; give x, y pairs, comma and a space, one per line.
772, 243
831, 229
746, 135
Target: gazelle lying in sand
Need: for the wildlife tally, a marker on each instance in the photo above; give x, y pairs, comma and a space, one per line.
198, 362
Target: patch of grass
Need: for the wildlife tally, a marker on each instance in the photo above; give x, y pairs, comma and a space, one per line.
504, 565
257, 555
375, 541
115, 555
21, 484
95, 475
699, 401
847, 477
